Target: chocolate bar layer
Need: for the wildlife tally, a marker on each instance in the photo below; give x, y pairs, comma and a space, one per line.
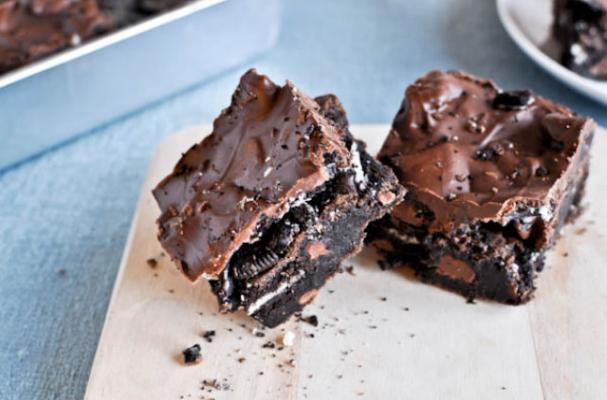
492, 176
270, 203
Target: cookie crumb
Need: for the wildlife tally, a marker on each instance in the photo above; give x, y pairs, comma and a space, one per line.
258, 332
191, 355
208, 336
312, 320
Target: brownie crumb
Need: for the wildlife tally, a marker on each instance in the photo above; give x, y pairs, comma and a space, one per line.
258, 333
192, 355
152, 263
61, 272
312, 320
350, 270
268, 345
383, 298
208, 336
242, 359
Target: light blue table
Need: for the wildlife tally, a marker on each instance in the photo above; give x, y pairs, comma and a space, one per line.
69, 209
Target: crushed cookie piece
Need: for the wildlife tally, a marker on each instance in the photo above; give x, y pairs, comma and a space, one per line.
192, 355
208, 336
312, 320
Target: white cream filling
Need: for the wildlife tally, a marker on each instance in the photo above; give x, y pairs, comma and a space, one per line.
410, 239
257, 304
359, 173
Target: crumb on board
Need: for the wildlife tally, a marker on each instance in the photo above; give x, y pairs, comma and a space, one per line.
311, 319
209, 335
192, 355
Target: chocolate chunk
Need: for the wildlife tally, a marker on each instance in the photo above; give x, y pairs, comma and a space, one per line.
541, 171
312, 320
192, 355
485, 154
514, 100
485, 236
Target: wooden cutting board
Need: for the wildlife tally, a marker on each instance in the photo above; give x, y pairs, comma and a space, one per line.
381, 334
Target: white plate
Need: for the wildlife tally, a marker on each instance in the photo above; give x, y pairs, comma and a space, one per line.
528, 23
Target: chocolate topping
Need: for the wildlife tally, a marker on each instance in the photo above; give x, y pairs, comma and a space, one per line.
31, 29
468, 151
267, 149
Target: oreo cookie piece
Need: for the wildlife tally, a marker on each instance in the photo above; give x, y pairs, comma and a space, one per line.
269, 204
580, 27
485, 202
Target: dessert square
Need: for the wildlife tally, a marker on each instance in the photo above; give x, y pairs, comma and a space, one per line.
491, 177
30, 30
270, 203
580, 27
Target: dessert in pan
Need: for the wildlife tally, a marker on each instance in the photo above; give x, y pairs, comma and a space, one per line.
580, 27
33, 29
270, 203
491, 177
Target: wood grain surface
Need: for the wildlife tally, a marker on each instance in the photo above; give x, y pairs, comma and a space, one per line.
380, 334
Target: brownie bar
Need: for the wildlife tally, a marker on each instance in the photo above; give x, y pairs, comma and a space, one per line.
270, 203
33, 29
492, 176
580, 27
30, 30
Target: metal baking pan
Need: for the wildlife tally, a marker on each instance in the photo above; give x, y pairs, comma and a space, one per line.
55, 99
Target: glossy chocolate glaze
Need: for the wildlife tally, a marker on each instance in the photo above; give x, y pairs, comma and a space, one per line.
469, 152
32, 29
270, 147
